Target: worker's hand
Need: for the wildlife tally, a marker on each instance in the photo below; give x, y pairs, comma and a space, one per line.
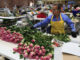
74, 34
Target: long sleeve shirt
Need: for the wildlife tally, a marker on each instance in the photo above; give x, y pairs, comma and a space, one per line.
47, 20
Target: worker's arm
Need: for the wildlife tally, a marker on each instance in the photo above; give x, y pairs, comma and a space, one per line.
69, 22
44, 22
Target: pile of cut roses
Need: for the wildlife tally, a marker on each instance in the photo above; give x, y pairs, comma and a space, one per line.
31, 51
35, 44
6, 35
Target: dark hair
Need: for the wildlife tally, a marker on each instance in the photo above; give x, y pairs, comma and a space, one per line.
59, 6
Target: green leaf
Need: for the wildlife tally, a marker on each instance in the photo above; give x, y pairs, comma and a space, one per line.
21, 56
14, 52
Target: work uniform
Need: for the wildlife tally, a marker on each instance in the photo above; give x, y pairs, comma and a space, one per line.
57, 25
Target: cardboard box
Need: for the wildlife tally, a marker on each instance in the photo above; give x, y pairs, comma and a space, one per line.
70, 57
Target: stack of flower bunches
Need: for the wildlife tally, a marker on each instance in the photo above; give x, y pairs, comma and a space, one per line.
31, 51
6, 35
37, 38
62, 37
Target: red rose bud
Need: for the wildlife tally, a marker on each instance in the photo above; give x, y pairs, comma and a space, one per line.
24, 52
20, 52
25, 55
31, 45
24, 48
20, 44
42, 58
43, 54
31, 54
40, 52
8, 31
37, 50
15, 41
43, 50
33, 41
20, 37
47, 57
25, 45
37, 47
20, 48
28, 50
50, 55
15, 49
5, 28
37, 57
31, 49
42, 47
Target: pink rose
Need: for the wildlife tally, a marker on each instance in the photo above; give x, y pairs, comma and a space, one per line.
43, 50
31, 45
42, 47
20, 44
25, 55
15, 49
50, 55
33, 41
